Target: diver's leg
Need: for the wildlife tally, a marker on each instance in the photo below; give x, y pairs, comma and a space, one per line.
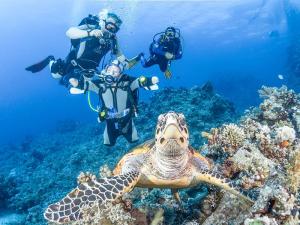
148, 62
57, 68
110, 134
131, 135
164, 66
132, 62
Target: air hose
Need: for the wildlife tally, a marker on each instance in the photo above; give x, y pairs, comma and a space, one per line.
90, 104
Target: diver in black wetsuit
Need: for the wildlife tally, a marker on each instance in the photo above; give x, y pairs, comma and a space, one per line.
91, 41
118, 94
163, 50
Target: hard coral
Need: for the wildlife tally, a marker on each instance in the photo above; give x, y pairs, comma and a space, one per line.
231, 137
285, 136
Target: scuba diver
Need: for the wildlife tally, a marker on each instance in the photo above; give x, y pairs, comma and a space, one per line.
163, 50
118, 94
90, 42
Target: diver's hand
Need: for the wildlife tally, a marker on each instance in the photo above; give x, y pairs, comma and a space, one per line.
154, 80
169, 55
96, 33
74, 82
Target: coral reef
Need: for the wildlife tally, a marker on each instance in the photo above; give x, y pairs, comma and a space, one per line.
266, 162
260, 152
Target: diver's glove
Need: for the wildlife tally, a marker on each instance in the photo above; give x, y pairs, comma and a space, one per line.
149, 83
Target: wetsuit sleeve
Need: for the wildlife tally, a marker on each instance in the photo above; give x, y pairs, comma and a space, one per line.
157, 49
141, 82
86, 27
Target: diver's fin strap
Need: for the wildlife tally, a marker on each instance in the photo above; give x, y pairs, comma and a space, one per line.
224, 183
97, 191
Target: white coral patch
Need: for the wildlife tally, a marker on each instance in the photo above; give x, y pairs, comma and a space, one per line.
285, 133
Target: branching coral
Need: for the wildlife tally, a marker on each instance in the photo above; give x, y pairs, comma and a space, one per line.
229, 137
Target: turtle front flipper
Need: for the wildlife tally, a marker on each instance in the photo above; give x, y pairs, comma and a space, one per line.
97, 191
219, 181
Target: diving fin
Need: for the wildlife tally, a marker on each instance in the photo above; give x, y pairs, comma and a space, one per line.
40, 65
168, 74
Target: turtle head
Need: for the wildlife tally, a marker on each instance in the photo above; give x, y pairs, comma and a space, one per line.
171, 133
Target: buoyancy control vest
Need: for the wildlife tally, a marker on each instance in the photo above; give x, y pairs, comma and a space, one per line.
123, 84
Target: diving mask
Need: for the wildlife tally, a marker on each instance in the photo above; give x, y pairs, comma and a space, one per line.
109, 79
111, 27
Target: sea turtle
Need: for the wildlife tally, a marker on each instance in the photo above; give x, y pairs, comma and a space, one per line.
166, 162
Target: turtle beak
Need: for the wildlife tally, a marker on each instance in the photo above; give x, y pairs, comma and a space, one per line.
172, 131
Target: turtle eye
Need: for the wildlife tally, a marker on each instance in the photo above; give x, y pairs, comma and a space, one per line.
181, 116
160, 117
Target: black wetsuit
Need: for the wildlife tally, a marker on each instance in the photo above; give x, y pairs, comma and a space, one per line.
86, 53
159, 48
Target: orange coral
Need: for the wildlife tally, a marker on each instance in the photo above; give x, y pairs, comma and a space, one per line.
284, 144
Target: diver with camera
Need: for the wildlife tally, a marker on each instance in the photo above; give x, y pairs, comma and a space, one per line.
118, 94
91, 40
165, 47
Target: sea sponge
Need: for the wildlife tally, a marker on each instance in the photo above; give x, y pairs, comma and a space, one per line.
285, 136
231, 137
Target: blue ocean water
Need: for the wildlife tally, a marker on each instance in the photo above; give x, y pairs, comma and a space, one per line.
239, 45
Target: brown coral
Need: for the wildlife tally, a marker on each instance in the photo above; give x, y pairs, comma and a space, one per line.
293, 171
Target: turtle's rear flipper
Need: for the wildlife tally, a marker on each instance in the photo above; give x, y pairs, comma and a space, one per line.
40, 65
224, 183
87, 194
